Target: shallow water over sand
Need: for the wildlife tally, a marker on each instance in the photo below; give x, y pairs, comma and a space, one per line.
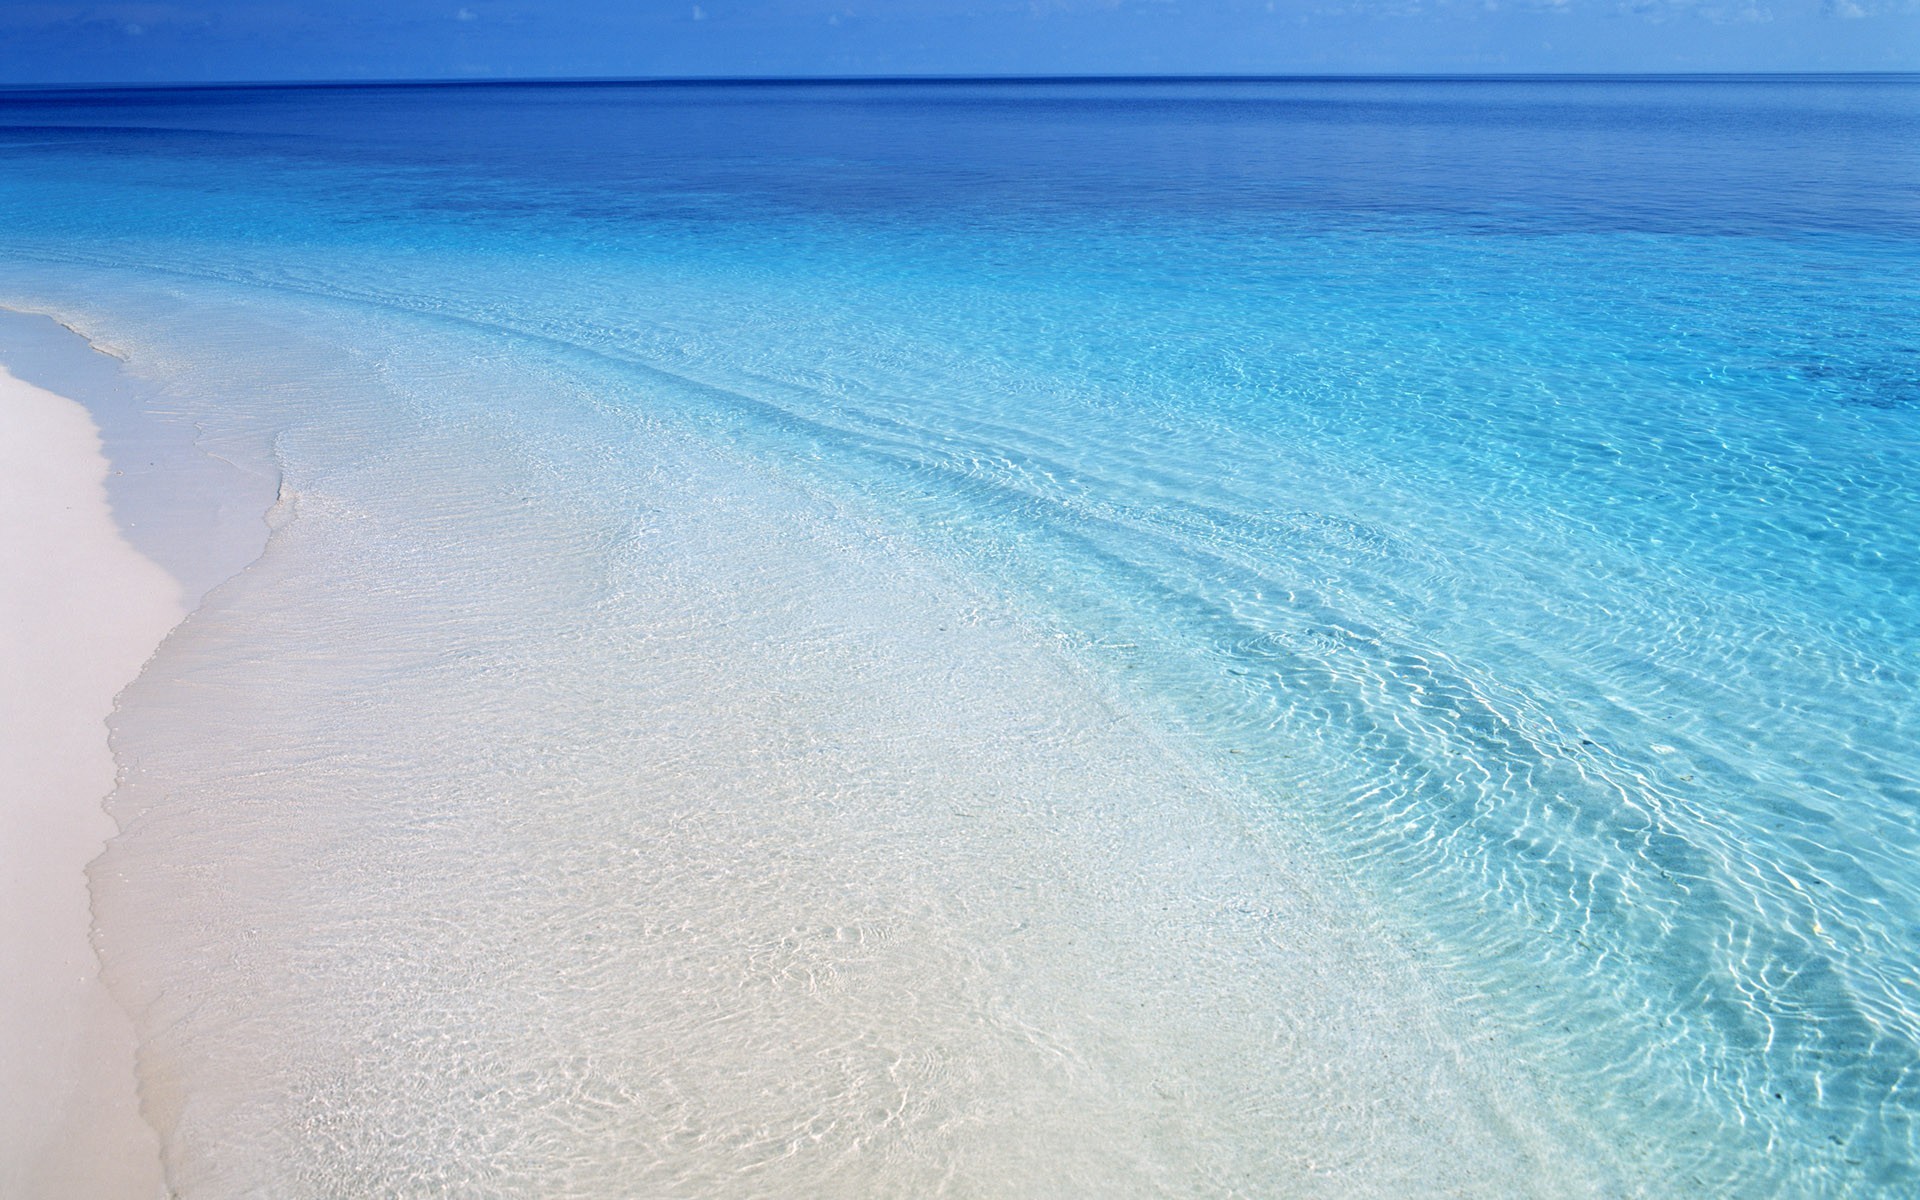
664, 824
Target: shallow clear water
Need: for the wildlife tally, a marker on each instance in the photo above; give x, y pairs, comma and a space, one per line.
1441, 572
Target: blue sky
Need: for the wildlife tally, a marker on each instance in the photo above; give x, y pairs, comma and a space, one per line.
63, 42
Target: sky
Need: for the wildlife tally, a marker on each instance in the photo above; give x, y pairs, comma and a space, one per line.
54, 41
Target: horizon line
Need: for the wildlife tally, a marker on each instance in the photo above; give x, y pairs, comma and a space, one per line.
908, 80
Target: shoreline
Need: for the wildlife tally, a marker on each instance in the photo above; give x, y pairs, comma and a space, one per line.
83, 611
803, 675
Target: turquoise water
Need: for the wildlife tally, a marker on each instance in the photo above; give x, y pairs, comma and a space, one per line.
1503, 494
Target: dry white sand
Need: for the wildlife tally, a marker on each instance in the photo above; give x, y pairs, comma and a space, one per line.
80, 611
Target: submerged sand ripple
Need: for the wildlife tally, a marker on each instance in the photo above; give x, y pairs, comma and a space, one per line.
503, 831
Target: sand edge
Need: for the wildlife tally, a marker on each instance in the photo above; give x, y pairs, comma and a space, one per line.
81, 611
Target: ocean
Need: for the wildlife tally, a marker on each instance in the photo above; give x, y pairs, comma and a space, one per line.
1136, 637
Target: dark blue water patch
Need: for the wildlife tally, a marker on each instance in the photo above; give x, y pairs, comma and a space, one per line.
1661, 156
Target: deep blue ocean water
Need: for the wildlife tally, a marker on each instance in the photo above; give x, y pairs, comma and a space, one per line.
1512, 487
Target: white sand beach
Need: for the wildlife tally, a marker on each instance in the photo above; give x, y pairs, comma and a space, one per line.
80, 611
